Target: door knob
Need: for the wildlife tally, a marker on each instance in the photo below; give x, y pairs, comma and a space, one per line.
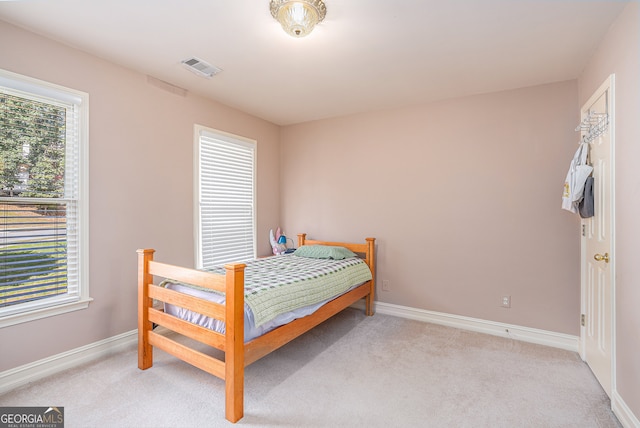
600, 257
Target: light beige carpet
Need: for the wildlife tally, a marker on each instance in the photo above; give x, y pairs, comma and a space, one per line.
351, 371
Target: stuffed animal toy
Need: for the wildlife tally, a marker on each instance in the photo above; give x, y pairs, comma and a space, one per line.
278, 242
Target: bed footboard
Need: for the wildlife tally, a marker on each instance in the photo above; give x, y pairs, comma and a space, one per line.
231, 370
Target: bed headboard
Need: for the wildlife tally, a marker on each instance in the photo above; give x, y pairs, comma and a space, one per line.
368, 248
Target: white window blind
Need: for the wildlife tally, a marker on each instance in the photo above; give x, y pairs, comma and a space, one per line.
42, 203
226, 198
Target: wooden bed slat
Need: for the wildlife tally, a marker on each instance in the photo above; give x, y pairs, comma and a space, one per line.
189, 276
356, 248
194, 331
196, 304
196, 358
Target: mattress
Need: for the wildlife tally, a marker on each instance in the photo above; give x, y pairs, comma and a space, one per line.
281, 289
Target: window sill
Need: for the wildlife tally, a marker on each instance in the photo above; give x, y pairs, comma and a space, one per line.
36, 314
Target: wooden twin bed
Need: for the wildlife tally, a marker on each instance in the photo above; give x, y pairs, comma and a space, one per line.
238, 354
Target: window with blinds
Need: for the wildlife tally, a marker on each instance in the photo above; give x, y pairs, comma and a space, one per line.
225, 177
43, 207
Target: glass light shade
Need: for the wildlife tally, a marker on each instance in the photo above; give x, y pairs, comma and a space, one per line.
298, 17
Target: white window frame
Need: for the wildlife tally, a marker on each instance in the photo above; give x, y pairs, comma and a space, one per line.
79, 297
231, 140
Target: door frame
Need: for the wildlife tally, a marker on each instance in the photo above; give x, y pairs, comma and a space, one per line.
608, 83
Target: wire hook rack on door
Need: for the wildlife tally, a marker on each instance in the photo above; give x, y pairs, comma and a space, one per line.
594, 124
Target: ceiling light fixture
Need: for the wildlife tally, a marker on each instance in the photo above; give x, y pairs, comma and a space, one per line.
298, 17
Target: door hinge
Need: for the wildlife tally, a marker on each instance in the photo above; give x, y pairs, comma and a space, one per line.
583, 230
582, 321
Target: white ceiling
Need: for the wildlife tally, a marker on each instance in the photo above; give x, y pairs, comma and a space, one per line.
366, 54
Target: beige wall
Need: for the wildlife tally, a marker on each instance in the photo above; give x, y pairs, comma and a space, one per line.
462, 195
141, 192
619, 53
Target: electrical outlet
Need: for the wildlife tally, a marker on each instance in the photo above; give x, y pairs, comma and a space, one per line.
506, 301
385, 285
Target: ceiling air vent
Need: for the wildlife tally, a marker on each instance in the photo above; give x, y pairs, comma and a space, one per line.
200, 67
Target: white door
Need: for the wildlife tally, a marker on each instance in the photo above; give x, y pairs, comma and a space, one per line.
597, 242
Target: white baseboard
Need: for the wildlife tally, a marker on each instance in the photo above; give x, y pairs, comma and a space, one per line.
623, 412
526, 334
14, 378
